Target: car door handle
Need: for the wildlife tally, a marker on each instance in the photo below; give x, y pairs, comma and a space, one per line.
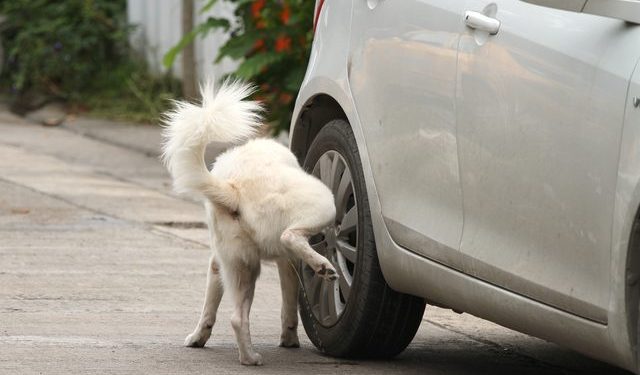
479, 21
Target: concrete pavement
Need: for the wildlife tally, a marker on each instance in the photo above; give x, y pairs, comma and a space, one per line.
102, 270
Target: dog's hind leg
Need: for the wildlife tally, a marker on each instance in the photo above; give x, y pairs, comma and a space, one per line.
241, 282
212, 298
289, 314
297, 241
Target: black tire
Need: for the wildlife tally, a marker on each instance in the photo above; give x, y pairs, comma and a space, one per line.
376, 321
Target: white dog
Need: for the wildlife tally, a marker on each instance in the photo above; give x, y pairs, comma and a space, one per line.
260, 205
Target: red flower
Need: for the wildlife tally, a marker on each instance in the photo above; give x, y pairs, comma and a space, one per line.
283, 43
259, 44
261, 25
285, 14
285, 98
256, 8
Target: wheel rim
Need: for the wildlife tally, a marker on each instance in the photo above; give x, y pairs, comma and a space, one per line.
338, 243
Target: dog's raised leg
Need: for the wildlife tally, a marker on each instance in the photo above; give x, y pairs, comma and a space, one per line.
289, 314
297, 241
242, 281
212, 298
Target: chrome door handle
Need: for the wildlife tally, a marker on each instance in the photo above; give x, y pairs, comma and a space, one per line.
479, 21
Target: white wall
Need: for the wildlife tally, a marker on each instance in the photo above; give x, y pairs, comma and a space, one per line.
159, 29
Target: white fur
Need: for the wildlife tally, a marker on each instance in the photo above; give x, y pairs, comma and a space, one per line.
260, 205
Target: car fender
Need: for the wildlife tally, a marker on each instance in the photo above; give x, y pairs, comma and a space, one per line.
327, 73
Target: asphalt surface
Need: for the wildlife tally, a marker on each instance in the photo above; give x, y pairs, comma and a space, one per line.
102, 270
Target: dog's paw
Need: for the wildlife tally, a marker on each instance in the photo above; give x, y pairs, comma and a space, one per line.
289, 340
327, 271
252, 359
196, 340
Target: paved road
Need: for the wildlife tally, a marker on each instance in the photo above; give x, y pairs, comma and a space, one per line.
102, 270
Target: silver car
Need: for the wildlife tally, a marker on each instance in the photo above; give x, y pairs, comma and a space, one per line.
485, 157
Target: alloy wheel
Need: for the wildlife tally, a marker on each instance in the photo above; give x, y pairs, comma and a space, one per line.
338, 243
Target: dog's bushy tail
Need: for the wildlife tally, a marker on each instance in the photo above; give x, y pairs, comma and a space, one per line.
222, 116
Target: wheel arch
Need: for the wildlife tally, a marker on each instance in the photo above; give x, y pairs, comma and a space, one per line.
625, 256
316, 112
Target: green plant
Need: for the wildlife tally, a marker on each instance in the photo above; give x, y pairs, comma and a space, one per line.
59, 47
130, 92
78, 51
273, 38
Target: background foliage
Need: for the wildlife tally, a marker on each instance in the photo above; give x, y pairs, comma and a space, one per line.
273, 40
77, 51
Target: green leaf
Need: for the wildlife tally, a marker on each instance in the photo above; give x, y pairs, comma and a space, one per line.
170, 57
203, 28
254, 65
215, 23
208, 5
237, 47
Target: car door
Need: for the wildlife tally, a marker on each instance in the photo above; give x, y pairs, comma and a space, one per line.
402, 76
539, 119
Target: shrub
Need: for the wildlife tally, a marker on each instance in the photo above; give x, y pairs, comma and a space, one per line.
274, 40
130, 92
77, 51
59, 47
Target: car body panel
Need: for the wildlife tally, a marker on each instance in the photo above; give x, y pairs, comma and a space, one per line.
410, 106
539, 129
414, 273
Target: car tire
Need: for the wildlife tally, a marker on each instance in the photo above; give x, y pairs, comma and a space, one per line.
374, 321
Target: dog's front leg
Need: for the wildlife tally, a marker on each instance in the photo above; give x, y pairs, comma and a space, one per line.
212, 298
289, 314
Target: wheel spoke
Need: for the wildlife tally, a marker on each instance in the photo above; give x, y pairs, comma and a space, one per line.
343, 191
349, 222
346, 279
345, 287
333, 299
316, 170
337, 170
323, 301
320, 247
347, 250
314, 289
325, 170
